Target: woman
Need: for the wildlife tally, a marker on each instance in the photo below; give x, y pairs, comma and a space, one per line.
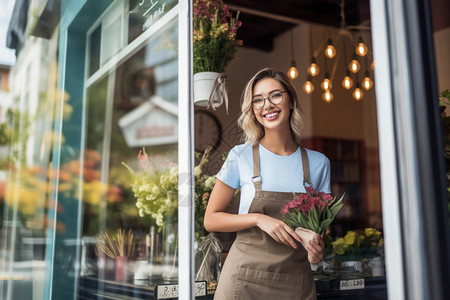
266, 259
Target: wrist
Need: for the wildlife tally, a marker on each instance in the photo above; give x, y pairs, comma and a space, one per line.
256, 220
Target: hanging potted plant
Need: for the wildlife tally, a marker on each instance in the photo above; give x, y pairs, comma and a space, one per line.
214, 47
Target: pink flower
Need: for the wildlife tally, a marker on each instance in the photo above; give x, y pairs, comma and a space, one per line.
310, 189
325, 196
292, 204
284, 209
320, 204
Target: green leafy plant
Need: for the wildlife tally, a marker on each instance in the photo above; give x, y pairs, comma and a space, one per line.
312, 210
214, 35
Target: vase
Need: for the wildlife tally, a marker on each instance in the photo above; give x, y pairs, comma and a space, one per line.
307, 235
170, 249
208, 261
352, 266
376, 265
121, 268
210, 89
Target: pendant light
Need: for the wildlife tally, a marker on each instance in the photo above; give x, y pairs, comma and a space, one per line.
330, 50
354, 65
347, 83
313, 69
308, 87
327, 96
361, 48
292, 72
367, 82
357, 93
326, 83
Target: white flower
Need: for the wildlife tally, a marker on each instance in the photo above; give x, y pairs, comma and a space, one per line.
210, 181
174, 171
145, 188
197, 171
155, 190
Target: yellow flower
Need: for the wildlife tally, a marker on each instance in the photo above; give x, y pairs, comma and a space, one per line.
339, 246
350, 237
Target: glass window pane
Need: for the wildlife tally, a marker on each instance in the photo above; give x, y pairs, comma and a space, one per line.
130, 167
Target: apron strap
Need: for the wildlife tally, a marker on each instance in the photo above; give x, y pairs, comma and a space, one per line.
306, 177
256, 179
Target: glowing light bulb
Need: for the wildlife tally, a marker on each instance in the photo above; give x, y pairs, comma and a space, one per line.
361, 49
354, 66
313, 69
327, 96
330, 51
308, 87
326, 83
372, 65
358, 94
347, 83
292, 72
367, 82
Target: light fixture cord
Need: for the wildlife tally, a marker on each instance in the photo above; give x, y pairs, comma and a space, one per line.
292, 45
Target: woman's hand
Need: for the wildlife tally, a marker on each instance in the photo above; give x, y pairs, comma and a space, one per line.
278, 230
316, 250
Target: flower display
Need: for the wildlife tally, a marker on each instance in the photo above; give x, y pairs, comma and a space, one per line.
155, 188
312, 210
214, 35
356, 245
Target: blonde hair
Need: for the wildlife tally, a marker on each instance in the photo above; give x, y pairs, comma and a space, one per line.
253, 130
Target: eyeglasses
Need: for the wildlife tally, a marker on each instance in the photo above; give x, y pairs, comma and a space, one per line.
276, 97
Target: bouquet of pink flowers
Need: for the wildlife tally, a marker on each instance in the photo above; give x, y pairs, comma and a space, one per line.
311, 213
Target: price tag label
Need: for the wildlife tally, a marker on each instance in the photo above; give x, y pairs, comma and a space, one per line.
352, 284
170, 291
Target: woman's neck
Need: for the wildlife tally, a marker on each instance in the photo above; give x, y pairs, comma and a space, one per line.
279, 144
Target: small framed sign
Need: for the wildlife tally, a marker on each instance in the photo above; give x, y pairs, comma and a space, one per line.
352, 284
170, 291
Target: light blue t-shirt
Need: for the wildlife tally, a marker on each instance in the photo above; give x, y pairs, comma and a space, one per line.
278, 173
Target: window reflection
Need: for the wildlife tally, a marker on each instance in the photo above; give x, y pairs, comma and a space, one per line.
129, 159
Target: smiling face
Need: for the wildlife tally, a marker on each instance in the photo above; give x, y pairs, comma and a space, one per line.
272, 116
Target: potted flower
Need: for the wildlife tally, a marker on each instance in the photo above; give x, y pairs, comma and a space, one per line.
214, 47
311, 213
355, 246
118, 246
155, 188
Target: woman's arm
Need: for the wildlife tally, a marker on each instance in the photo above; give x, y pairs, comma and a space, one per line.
218, 220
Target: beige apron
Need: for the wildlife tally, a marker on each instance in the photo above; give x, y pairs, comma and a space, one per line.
258, 267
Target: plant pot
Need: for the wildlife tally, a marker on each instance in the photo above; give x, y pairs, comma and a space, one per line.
376, 265
352, 266
121, 268
307, 235
209, 85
